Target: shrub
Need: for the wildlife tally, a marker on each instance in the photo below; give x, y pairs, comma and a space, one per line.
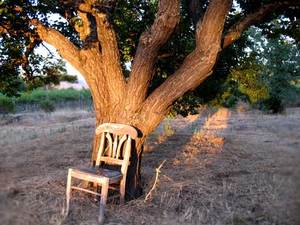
7, 104
69, 94
32, 97
188, 104
274, 104
47, 106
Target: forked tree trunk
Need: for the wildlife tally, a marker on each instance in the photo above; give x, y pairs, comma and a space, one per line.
118, 100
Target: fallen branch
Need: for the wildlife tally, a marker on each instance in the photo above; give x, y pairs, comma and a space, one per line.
148, 196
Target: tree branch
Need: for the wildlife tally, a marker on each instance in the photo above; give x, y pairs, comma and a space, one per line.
84, 29
62, 44
197, 66
48, 50
151, 41
87, 28
95, 19
210, 28
111, 59
73, 55
236, 30
107, 38
100, 40
34, 41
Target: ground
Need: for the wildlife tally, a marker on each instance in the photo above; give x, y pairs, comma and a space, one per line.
220, 167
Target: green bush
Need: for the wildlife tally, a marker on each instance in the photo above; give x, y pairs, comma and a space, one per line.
7, 105
274, 104
32, 97
188, 104
47, 106
69, 94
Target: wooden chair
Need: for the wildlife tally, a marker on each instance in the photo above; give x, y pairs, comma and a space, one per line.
114, 149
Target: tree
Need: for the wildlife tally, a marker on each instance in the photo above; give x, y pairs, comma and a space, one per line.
88, 38
266, 77
244, 82
21, 67
20, 71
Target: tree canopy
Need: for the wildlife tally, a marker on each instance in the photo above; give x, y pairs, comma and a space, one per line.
19, 38
21, 67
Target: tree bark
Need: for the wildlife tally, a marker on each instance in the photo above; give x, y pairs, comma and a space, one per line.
237, 29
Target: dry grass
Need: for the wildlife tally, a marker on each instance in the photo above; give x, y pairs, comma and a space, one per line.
221, 167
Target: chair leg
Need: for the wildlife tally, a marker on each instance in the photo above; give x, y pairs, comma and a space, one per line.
104, 193
68, 192
122, 192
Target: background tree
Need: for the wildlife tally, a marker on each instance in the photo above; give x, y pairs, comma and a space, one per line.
280, 58
266, 76
120, 49
40, 71
21, 67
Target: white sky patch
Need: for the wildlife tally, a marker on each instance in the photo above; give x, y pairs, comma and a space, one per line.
54, 17
237, 7
128, 65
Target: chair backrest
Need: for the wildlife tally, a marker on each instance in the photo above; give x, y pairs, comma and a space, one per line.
115, 144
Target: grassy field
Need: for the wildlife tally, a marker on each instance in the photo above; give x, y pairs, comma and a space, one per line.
221, 167
35, 99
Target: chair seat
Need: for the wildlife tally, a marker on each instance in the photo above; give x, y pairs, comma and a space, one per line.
95, 174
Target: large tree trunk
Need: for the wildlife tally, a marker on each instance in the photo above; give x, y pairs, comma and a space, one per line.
144, 127
118, 100
128, 101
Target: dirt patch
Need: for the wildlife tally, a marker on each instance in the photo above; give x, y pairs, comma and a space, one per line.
221, 167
